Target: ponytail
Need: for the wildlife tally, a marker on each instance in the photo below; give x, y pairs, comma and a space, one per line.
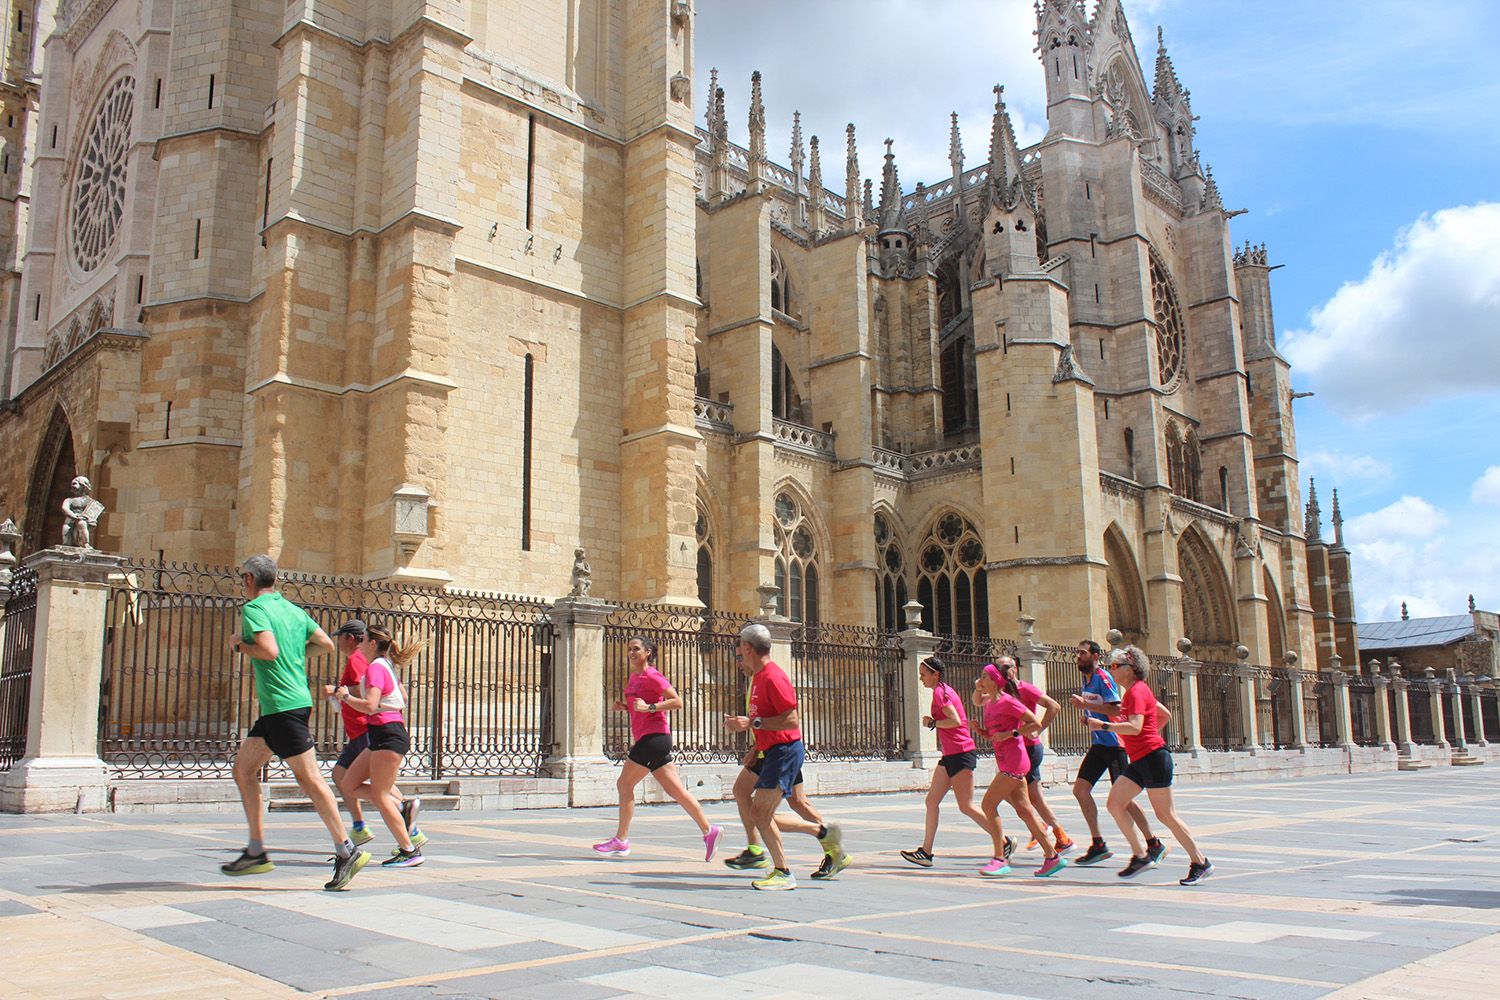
386, 646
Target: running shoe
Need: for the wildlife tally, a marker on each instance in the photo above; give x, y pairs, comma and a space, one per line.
1008, 847
344, 870
996, 866
1031, 844
753, 856
1137, 864
403, 859
418, 838
1062, 841
920, 857
361, 836
1198, 872
1155, 851
831, 865
832, 840
778, 880
711, 842
1051, 866
409, 810
1096, 853
249, 864
614, 847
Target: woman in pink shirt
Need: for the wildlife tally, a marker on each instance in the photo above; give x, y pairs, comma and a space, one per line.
1007, 720
648, 697
955, 768
1045, 710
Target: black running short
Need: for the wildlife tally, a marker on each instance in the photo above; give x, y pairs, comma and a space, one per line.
389, 736
956, 762
1099, 759
1034, 753
1151, 771
286, 733
760, 762
652, 751
352, 750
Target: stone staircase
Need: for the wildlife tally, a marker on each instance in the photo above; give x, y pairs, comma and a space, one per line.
1411, 764
436, 795
1463, 758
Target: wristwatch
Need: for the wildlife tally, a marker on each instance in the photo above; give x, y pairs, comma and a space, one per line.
1104, 726
651, 707
755, 723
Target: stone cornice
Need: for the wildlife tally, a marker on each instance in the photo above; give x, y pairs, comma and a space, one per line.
409, 375
108, 337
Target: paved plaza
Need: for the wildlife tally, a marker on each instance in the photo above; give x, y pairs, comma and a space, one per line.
1359, 886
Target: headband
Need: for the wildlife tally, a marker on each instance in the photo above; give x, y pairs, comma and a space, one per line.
993, 673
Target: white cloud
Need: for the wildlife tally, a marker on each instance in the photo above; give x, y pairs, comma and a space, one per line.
1415, 552
1421, 324
1339, 467
1408, 519
1487, 487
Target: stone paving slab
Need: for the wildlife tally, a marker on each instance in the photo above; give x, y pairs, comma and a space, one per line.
1351, 886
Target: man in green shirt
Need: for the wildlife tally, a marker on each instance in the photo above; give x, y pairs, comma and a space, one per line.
277, 635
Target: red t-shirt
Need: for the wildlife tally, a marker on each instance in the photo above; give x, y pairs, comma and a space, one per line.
957, 739
771, 693
651, 687
1140, 700
354, 672
1031, 696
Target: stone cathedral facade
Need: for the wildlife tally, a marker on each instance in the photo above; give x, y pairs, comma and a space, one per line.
437, 291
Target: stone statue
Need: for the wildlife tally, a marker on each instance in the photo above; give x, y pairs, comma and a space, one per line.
582, 572
81, 512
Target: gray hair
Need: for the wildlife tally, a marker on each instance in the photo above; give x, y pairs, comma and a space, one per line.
757, 637
1133, 657
262, 569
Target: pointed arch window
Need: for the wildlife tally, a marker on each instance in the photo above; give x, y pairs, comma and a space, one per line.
786, 401
951, 581
1169, 325
1184, 464
704, 531
781, 285
890, 577
796, 561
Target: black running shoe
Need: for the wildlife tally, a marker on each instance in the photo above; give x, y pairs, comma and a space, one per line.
248, 864
1008, 848
1096, 853
409, 810
1198, 872
1155, 851
1134, 866
919, 857
748, 859
344, 870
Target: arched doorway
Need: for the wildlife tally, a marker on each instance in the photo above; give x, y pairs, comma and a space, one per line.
1127, 598
1207, 600
51, 483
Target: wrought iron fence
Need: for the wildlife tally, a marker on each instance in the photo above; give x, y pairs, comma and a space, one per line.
15, 666
1468, 692
1068, 733
964, 656
1419, 700
850, 692
1489, 711
1219, 711
1276, 707
175, 701
695, 651
1364, 725
1325, 703
1166, 681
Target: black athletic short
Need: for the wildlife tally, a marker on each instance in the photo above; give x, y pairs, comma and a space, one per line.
760, 762
389, 736
652, 751
956, 762
1099, 759
286, 733
1034, 753
352, 750
1152, 771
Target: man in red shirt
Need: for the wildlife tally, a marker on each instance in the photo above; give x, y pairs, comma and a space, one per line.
776, 757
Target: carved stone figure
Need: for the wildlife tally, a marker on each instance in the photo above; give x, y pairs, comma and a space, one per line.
82, 513
582, 572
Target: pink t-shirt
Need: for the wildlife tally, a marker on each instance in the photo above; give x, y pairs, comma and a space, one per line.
1031, 697
651, 687
378, 677
1002, 714
957, 739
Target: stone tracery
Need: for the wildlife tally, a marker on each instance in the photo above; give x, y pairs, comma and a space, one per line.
99, 181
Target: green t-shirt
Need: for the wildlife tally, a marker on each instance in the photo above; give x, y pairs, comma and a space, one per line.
280, 684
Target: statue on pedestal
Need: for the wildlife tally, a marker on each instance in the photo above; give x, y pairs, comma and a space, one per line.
82, 514
582, 572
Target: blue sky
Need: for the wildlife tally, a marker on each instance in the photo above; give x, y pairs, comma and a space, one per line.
1364, 138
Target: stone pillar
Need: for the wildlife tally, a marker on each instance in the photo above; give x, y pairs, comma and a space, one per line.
1249, 716
1383, 711
1480, 737
1456, 693
1192, 722
1439, 716
917, 644
1299, 720
1343, 716
578, 699
1404, 746
61, 771
1031, 659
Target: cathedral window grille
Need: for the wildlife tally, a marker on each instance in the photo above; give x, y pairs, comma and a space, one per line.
99, 183
890, 577
951, 582
796, 561
1169, 326
704, 532
786, 402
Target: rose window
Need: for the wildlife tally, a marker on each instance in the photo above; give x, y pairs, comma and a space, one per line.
1169, 326
99, 184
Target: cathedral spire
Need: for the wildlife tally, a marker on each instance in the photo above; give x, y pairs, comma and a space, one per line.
718, 165
1168, 87
1005, 157
891, 214
1173, 107
1338, 523
854, 214
1313, 521
1212, 202
869, 199
955, 147
710, 117
815, 219
757, 162
798, 191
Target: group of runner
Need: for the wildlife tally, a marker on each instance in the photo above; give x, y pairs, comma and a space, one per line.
1118, 705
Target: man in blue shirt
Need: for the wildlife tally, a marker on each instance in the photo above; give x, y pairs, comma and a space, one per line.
1105, 754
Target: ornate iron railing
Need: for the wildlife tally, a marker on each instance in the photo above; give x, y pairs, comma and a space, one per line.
1364, 726
1219, 711
15, 666
850, 692
1068, 733
964, 656
1166, 681
1276, 723
1419, 703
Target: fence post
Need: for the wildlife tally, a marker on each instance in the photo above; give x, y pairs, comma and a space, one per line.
1439, 717
1343, 715
1031, 658
1455, 690
1404, 745
61, 771
1382, 706
1294, 681
917, 644
1192, 722
1249, 708
578, 700
1475, 706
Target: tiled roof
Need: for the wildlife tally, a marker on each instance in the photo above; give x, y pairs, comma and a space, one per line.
1415, 632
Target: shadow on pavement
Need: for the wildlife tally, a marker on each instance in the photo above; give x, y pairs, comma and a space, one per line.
1476, 898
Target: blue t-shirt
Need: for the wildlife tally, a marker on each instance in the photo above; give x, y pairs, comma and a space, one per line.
1104, 686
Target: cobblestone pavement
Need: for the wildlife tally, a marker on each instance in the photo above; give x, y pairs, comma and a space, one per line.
1362, 886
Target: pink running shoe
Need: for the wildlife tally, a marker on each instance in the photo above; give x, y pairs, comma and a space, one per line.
711, 842
1051, 866
614, 847
997, 866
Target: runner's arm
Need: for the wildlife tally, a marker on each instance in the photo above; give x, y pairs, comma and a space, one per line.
949, 719
319, 641
1030, 726
1130, 727
1163, 714
264, 647
367, 705
671, 701
1049, 710
790, 719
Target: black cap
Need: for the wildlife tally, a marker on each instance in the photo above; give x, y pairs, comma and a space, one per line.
353, 627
